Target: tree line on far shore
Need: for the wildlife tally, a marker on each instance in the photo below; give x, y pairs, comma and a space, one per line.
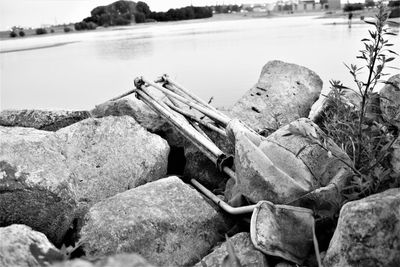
125, 12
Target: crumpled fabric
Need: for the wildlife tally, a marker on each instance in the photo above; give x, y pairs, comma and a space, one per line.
284, 167
272, 231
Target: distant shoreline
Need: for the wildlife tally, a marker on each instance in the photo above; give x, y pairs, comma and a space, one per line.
58, 30
36, 47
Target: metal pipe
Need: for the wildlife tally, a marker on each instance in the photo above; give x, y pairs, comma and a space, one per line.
166, 78
210, 113
192, 117
225, 206
123, 95
230, 173
199, 140
176, 105
158, 108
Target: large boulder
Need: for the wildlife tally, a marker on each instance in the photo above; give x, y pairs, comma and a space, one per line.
48, 179
247, 254
41, 119
284, 93
368, 232
166, 221
131, 107
20, 246
390, 101
120, 260
110, 155
34, 186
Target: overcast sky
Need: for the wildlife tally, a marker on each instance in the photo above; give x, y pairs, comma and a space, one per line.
34, 13
37, 12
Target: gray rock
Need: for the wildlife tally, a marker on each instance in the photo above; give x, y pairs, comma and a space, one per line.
368, 232
202, 169
41, 119
390, 101
247, 254
120, 260
131, 107
74, 263
44, 176
144, 115
110, 155
166, 221
284, 93
395, 159
199, 167
20, 246
34, 186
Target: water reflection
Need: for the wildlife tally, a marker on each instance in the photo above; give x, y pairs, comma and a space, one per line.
222, 59
124, 49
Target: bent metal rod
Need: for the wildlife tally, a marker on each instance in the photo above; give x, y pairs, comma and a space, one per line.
200, 141
145, 95
206, 111
182, 125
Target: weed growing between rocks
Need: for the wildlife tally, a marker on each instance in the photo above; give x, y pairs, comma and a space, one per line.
353, 120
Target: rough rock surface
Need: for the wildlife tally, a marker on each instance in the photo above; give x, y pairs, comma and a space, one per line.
368, 232
248, 255
199, 167
202, 169
120, 260
20, 246
41, 119
166, 221
34, 187
110, 155
45, 175
131, 107
395, 160
284, 93
390, 101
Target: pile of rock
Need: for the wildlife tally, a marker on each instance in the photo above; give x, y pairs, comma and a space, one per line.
102, 180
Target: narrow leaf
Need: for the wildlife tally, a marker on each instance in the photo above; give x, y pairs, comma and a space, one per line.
370, 22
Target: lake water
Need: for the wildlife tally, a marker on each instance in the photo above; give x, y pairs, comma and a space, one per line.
222, 59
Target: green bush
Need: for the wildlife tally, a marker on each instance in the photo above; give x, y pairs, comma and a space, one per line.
395, 13
21, 33
52, 31
394, 3
85, 26
40, 31
140, 17
353, 7
120, 21
356, 125
13, 34
91, 26
67, 29
79, 26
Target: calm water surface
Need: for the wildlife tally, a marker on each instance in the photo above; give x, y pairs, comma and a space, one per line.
222, 59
